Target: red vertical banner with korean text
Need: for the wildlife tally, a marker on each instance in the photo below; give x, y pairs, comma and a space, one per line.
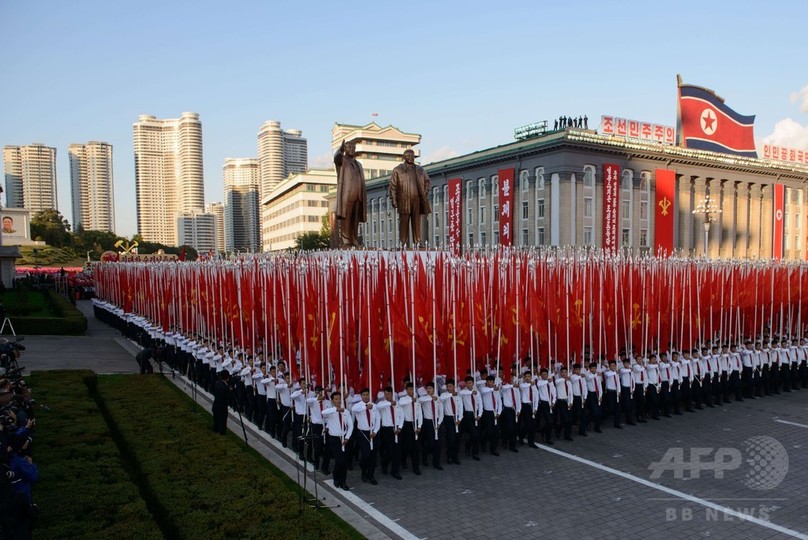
455, 236
506, 206
663, 211
777, 225
611, 205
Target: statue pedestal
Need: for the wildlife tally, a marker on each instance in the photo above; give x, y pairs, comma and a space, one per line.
8, 256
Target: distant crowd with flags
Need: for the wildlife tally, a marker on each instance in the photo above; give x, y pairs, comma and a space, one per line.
412, 356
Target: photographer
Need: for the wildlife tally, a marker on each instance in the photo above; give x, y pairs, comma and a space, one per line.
221, 391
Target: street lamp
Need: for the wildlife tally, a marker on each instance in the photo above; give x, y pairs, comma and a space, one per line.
710, 210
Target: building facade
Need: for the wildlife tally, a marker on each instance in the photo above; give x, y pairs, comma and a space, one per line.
92, 186
378, 149
558, 197
217, 209
280, 153
30, 174
241, 204
296, 206
169, 175
198, 230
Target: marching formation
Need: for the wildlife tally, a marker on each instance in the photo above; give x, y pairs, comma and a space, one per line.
493, 405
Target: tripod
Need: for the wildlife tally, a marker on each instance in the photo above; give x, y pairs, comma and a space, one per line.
7, 322
304, 498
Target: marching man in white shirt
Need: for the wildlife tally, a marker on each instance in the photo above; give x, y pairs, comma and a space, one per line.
546, 390
594, 395
368, 423
452, 416
317, 404
432, 410
563, 404
340, 427
472, 411
392, 421
413, 419
492, 408
530, 405
511, 407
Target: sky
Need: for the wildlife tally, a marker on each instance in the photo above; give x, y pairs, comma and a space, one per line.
462, 74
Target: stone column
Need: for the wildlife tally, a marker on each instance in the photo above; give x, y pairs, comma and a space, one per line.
699, 194
742, 220
684, 203
727, 224
766, 217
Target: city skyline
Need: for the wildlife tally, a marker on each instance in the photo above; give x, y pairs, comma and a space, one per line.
554, 55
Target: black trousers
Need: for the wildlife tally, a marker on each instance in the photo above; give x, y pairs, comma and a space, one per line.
665, 397
340, 460
472, 431
297, 430
508, 426
774, 379
593, 410
626, 404
220, 418
639, 401
316, 444
285, 421
545, 421
612, 406
367, 454
735, 385
260, 410
725, 387
490, 431
452, 438
652, 401
409, 446
706, 389
676, 397
685, 391
803, 373
271, 420
527, 424
765, 380
747, 385
563, 418
390, 450
430, 442
578, 414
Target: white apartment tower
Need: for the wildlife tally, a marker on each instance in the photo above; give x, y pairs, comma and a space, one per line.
30, 177
280, 153
168, 174
217, 209
91, 186
242, 204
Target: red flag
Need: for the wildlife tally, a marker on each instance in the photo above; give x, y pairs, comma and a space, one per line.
664, 211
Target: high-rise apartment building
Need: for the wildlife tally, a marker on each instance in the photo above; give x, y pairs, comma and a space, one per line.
241, 204
378, 149
280, 153
92, 187
197, 229
168, 174
30, 177
217, 209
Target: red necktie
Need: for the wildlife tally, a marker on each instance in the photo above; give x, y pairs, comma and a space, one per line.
513, 398
494, 401
581, 387
642, 376
473, 405
454, 410
368, 411
597, 387
341, 424
393, 413
531, 394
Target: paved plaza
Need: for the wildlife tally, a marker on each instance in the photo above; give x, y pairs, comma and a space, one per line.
712, 467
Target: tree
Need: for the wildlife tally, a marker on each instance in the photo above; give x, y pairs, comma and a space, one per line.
96, 242
312, 240
52, 228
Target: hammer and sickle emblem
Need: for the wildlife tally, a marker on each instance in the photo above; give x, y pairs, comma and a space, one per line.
664, 204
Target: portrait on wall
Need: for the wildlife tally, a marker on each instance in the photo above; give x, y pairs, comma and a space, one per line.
16, 224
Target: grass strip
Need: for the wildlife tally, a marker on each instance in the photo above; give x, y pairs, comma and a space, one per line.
205, 485
84, 490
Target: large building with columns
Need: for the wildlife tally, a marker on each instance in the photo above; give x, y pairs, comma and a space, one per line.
558, 197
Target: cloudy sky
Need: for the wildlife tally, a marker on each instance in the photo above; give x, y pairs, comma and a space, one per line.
462, 74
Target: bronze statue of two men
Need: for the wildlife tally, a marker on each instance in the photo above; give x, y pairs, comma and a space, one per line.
409, 185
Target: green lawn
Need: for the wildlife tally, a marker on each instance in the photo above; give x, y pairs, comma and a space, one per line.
84, 489
25, 303
195, 483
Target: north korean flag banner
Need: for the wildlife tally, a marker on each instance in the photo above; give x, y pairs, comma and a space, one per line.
706, 123
506, 206
611, 191
663, 211
455, 238
777, 226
